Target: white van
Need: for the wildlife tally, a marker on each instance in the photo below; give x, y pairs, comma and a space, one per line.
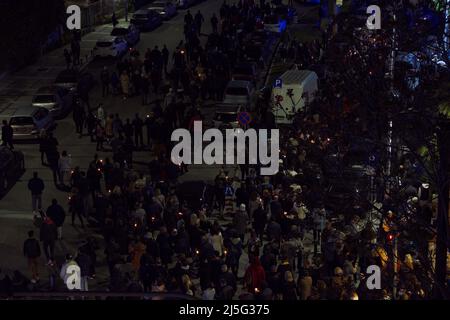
291, 92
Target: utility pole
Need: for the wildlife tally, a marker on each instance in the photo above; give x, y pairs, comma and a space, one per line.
390, 75
442, 225
395, 262
447, 29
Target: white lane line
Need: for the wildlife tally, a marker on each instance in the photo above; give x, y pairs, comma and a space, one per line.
18, 215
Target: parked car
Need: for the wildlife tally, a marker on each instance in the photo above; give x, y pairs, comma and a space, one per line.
239, 92
226, 116
12, 166
58, 101
247, 71
72, 80
111, 47
146, 20
273, 23
129, 33
27, 122
166, 9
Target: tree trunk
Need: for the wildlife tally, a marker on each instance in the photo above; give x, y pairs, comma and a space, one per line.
442, 214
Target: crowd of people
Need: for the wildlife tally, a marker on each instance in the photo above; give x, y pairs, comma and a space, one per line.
285, 240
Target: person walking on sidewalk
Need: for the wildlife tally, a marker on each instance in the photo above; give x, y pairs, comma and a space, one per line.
58, 215
48, 236
36, 186
32, 251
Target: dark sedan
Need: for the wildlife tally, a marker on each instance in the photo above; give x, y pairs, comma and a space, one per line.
12, 166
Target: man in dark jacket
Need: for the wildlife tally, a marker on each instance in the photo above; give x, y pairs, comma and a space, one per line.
84, 262
52, 158
32, 251
165, 58
36, 186
79, 117
260, 220
138, 125
48, 237
105, 79
58, 215
240, 221
7, 135
77, 208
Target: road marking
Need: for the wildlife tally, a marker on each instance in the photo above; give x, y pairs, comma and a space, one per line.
19, 215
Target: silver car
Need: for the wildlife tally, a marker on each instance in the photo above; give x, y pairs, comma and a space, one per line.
57, 100
226, 117
129, 33
165, 8
239, 92
28, 122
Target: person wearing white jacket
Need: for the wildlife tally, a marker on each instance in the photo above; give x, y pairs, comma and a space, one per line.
65, 167
216, 240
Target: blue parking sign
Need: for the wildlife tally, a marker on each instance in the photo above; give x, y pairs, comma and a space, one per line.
278, 83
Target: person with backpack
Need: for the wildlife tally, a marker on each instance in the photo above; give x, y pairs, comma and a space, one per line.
58, 215
32, 251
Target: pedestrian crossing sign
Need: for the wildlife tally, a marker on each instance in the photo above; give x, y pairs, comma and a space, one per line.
228, 191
